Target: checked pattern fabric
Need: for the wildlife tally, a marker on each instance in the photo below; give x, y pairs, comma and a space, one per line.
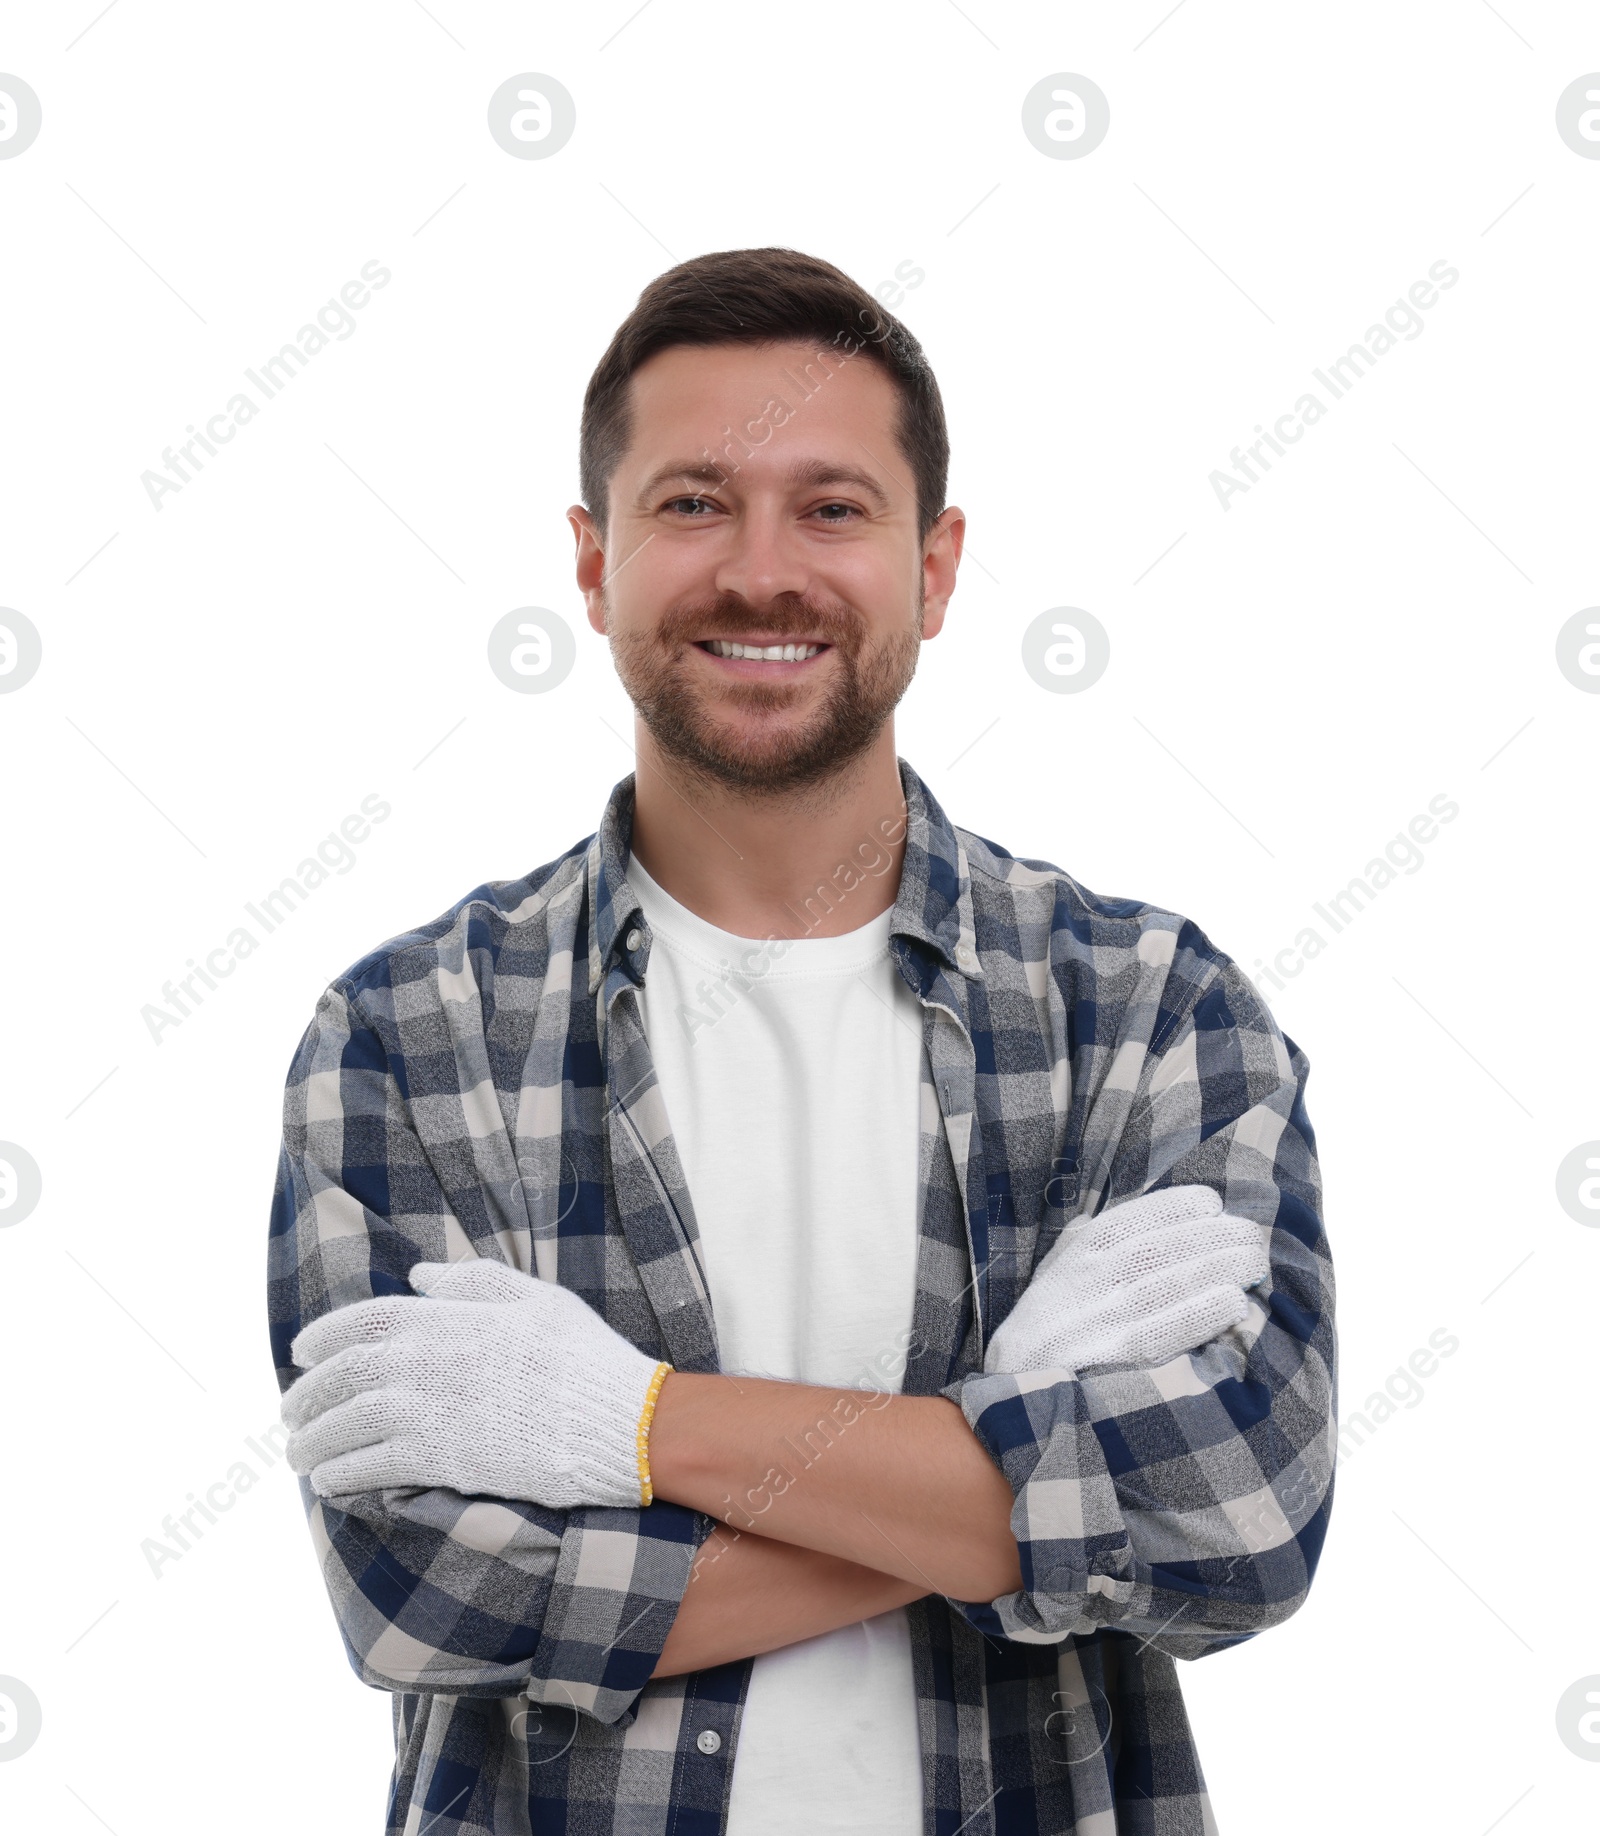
482, 1085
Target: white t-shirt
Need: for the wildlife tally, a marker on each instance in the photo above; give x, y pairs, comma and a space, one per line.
790, 1076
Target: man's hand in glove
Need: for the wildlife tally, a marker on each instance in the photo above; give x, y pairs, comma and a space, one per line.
1137, 1284
485, 1381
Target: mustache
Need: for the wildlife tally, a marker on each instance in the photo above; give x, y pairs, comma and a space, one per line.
734, 619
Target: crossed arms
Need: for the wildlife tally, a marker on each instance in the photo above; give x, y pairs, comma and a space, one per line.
901, 1498
1040, 1498
493, 1382
899, 1502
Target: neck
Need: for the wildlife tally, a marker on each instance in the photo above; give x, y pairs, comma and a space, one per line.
814, 862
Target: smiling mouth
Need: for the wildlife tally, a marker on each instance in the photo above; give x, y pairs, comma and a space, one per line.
760, 653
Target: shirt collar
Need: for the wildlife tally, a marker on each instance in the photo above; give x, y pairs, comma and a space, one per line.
933, 907
613, 904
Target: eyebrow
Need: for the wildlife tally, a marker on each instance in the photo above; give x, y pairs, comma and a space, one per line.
802, 472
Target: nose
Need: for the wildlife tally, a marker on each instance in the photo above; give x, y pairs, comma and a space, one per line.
763, 558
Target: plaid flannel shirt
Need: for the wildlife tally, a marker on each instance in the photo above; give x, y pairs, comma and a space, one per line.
482, 1086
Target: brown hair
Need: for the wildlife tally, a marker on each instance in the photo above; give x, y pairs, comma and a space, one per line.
762, 296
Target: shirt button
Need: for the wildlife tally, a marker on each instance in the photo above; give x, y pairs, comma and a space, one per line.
708, 1740
965, 958
634, 938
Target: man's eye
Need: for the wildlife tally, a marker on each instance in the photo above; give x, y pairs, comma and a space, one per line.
674, 503
849, 509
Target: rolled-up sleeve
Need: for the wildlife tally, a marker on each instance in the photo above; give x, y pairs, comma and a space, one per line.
435, 1591
1186, 1503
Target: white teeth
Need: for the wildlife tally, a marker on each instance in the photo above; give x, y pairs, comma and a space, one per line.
771, 653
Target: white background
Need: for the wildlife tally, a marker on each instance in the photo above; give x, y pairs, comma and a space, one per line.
1372, 625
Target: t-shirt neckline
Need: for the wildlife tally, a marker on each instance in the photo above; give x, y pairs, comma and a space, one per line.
673, 921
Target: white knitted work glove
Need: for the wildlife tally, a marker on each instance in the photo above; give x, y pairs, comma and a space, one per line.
1137, 1284
486, 1381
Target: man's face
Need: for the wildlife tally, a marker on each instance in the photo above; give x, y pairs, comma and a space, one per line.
748, 514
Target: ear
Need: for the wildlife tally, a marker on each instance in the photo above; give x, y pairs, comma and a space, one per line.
941, 556
590, 565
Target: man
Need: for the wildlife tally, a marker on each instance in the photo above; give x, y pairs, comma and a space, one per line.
792, 1317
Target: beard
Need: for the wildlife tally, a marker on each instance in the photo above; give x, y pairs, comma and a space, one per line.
866, 687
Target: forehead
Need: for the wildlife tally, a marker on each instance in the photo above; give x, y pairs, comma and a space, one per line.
690, 397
